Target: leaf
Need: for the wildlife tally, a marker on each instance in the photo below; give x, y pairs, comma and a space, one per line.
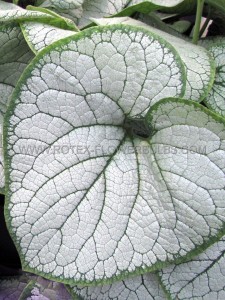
30, 287
63, 5
186, 7
201, 278
40, 35
181, 26
58, 21
99, 9
10, 13
147, 6
2, 175
135, 288
74, 95
106, 8
153, 20
69, 9
43, 289
200, 66
14, 57
219, 4
96, 215
12, 287
217, 15
216, 98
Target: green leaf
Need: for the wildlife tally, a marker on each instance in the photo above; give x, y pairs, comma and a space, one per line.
106, 8
186, 7
216, 98
201, 278
219, 4
181, 26
200, 65
135, 288
58, 21
40, 35
153, 20
171, 6
14, 57
10, 13
59, 204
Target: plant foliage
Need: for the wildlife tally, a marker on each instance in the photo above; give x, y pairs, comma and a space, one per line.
112, 114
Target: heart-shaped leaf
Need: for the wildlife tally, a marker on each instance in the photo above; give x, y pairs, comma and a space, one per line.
200, 66
216, 98
201, 278
14, 57
119, 202
40, 35
135, 288
84, 98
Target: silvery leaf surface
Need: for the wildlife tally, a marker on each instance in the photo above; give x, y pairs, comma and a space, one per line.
199, 279
14, 57
199, 63
98, 195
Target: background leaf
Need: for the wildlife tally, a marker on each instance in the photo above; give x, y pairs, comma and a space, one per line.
135, 288
40, 35
216, 98
201, 278
10, 13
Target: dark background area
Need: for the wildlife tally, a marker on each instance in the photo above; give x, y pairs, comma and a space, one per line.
9, 258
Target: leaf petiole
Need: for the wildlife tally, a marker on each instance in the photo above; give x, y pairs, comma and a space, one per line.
200, 5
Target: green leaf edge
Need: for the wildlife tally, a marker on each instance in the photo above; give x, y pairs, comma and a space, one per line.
145, 7
166, 292
206, 100
77, 297
66, 23
72, 293
2, 191
211, 78
139, 270
208, 87
26, 38
50, 19
22, 27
